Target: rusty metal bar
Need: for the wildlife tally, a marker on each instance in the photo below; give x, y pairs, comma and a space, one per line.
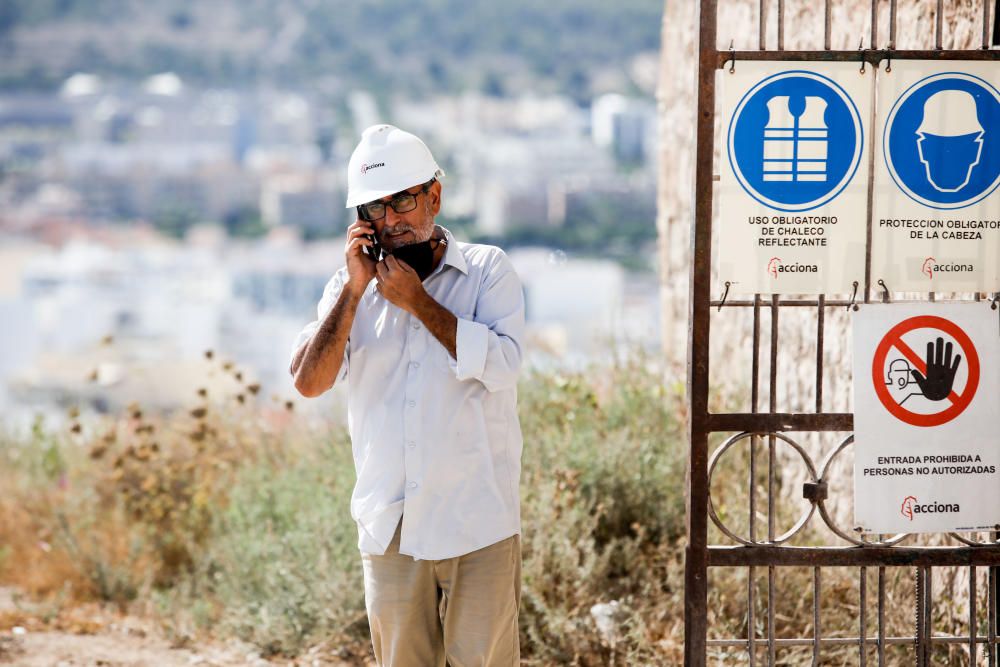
762, 25
790, 642
925, 612
730, 556
919, 638
781, 25
699, 329
863, 618
973, 627
874, 19
772, 407
796, 303
772, 404
751, 626
986, 38
816, 626
826, 25
881, 613
991, 617
782, 421
939, 26
820, 323
803, 303
754, 404
870, 56
929, 612
755, 364
771, 646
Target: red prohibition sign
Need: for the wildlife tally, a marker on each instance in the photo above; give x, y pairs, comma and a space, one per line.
894, 339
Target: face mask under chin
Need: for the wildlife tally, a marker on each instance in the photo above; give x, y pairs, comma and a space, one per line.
419, 256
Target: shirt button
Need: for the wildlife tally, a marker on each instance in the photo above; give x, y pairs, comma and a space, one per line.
416, 325
411, 444
412, 485
412, 403
415, 364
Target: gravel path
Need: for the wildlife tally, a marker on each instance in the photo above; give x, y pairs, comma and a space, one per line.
102, 640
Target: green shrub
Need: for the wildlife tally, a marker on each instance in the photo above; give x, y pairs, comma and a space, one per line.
284, 565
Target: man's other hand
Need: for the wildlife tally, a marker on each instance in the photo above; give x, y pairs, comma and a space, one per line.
399, 283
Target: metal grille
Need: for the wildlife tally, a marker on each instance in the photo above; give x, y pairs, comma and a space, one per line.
761, 552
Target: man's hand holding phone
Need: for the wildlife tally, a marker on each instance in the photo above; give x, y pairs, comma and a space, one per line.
360, 265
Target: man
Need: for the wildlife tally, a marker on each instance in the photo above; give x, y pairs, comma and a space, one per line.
429, 340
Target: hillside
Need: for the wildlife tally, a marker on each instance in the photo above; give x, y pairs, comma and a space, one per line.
564, 45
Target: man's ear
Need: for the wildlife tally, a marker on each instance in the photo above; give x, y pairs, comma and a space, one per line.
434, 198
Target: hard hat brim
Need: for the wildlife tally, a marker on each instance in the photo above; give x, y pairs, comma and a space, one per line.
359, 198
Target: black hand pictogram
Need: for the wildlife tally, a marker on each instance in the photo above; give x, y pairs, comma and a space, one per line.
940, 371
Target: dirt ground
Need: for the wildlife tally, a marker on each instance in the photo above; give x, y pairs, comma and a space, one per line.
97, 638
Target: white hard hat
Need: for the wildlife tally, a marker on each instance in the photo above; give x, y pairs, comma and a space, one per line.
386, 161
950, 113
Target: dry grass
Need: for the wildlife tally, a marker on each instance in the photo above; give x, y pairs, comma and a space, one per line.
222, 521
225, 522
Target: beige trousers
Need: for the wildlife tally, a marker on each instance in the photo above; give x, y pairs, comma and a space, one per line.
459, 611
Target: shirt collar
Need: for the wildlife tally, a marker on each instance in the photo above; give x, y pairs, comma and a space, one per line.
452, 255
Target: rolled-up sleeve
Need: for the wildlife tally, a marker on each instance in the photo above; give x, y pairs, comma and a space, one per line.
489, 347
330, 295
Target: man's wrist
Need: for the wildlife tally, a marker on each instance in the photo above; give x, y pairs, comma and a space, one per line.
355, 289
423, 306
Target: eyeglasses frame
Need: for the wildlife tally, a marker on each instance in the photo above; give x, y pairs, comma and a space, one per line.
363, 214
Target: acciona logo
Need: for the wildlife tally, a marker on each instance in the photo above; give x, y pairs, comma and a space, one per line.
931, 266
365, 167
776, 266
912, 506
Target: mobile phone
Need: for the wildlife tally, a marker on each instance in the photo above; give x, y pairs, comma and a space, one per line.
375, 249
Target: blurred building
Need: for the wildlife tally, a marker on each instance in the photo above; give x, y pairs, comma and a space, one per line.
626, 126
302, 200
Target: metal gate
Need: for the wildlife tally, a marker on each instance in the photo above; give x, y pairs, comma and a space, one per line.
763, 560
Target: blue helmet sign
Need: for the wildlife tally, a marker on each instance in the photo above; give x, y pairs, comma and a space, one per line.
936, 209
942, 140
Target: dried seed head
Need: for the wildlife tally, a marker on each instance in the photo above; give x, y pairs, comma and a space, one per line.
209, 354
253, 388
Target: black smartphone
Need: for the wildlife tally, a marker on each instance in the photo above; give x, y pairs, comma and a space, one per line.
375, 250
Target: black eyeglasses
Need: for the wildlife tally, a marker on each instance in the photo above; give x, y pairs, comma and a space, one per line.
404, 202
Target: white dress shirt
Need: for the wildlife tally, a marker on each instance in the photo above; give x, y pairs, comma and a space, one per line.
436, 440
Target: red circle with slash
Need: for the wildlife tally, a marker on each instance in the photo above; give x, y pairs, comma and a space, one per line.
957, 403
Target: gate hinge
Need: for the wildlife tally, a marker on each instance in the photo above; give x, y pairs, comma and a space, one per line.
814, 491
